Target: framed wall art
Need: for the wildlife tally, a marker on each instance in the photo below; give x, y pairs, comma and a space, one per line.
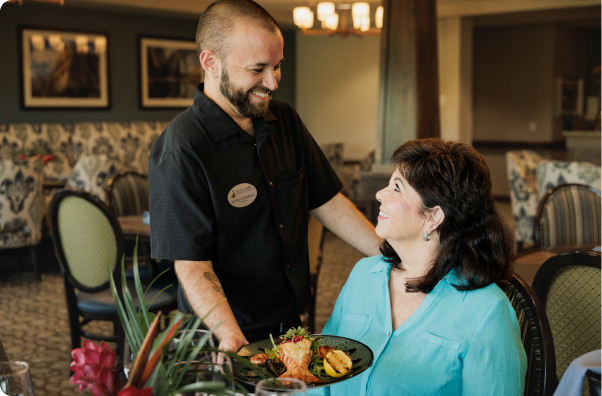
169, 72
62, 69
569, 96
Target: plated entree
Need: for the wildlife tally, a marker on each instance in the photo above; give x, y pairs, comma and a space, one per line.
298, 354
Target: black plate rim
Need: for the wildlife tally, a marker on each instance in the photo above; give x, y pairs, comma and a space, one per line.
315, 386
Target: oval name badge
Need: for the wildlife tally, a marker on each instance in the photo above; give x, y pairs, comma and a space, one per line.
242, 195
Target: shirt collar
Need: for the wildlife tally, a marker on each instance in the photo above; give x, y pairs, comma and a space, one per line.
450, 279
217, 122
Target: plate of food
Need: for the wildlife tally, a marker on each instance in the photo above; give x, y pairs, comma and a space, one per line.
316, 359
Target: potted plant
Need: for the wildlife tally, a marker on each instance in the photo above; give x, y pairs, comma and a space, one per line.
156, 369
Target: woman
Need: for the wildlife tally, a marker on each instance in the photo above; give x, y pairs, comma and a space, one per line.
430, 307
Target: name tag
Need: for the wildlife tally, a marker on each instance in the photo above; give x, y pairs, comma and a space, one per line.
242, 195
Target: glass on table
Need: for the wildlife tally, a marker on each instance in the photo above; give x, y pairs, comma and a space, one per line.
208, 365
280, 387
15, 379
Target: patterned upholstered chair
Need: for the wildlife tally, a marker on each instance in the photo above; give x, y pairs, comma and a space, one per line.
536, 336
568, 215
21, 208
521, 167
87, 238
91, 173
568, 286
127, 193
554, 173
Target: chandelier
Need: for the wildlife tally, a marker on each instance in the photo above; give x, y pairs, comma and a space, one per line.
20, 2
326, 13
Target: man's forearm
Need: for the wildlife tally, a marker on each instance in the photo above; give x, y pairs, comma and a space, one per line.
204, 292
340, 216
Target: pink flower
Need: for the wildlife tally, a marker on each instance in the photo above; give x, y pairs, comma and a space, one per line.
94, 368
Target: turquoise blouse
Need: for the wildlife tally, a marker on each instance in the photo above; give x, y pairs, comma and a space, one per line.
455, 343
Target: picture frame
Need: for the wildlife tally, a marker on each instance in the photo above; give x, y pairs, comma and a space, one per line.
64, 69
169, 72
569, 96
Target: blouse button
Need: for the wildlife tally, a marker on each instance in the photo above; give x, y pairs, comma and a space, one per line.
281, 226
271, 184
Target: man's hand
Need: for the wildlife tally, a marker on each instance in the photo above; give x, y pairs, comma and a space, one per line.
233, 342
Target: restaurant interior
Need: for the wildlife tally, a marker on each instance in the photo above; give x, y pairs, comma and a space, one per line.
517, 80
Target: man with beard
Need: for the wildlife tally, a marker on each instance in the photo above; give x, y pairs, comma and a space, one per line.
233, 180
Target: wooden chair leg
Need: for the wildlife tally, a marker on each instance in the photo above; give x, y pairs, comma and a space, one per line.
35, 261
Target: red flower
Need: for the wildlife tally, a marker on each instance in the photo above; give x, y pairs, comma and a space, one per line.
93, 367
132, 391
47, 158
22, 157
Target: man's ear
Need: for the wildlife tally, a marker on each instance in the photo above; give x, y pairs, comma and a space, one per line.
210, 63
434, 218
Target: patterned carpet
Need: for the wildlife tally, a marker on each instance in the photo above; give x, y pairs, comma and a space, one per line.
34, 327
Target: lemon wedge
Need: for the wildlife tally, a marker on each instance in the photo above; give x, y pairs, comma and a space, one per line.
337, 363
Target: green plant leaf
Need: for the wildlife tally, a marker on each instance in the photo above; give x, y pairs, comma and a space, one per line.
144, 324
122, 314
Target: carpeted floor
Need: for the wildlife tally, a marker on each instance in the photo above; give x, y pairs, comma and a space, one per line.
34, 327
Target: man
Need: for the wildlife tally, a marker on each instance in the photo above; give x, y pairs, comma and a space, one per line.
232, 181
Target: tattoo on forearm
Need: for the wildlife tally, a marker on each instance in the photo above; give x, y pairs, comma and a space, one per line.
216, 285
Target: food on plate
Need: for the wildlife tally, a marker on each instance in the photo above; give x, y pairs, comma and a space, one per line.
299, 355
337, 363
260, 358
323, 351
296, 357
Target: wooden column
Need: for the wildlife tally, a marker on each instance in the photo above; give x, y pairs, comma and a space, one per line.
409, 94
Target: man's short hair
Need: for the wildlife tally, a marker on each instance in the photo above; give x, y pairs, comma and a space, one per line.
218, 21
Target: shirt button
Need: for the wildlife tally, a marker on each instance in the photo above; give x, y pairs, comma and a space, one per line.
281, 226
389, 335
271, 184
288, 266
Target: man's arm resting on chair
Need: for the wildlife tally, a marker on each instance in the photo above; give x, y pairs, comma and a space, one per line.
204, 291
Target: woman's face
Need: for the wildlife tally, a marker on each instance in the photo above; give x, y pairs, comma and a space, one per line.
400, 218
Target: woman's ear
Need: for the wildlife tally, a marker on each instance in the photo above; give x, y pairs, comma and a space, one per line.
434, 218
210, 63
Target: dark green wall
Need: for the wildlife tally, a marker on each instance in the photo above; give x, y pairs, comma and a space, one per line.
123, 30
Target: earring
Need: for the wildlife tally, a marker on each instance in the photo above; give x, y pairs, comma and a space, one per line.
427, 237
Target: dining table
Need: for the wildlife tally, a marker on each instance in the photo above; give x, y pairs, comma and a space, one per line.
133, 227
528, 262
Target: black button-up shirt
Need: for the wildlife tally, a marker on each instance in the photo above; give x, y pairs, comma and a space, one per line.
219, 194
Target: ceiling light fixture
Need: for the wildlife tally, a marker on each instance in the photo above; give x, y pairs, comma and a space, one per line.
326, 13
20, 2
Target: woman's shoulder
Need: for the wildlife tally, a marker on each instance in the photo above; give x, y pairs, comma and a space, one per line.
371, 264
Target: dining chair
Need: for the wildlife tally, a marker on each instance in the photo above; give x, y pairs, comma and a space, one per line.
521, 166
3, 357
593, 381
536, 337
88, 241
21, 210
315, 242
127, 193
568, 215
568, 285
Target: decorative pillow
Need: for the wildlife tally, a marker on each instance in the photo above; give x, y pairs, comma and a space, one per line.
91, 173
21, 202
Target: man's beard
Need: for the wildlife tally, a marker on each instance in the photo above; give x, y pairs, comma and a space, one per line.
240, 99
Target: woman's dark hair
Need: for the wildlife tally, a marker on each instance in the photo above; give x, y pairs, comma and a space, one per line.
474, 239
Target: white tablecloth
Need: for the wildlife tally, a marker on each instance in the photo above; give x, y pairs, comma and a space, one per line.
571, 383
